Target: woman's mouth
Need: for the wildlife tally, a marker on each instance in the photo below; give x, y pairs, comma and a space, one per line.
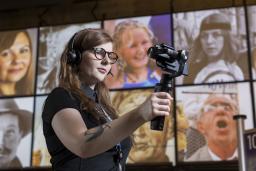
15, 71
140, 146
102, 70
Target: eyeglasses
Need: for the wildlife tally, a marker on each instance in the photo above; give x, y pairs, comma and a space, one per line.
100, 54
212, 107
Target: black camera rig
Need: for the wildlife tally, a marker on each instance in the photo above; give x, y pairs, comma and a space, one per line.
173, 64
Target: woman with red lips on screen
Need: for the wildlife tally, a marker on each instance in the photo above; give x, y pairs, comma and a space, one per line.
81, 128
16, 74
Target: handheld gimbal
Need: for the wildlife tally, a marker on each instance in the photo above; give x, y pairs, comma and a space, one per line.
173, 64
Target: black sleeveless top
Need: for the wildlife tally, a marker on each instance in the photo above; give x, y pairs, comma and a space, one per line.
61, 158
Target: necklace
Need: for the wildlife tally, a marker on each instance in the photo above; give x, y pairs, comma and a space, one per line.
100, 109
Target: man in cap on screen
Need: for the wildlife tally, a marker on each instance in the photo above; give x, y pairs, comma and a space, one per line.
15, 124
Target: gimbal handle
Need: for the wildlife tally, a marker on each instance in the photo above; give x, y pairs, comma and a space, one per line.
165, 85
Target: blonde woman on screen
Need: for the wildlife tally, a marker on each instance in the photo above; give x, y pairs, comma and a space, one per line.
131, 41
16, 74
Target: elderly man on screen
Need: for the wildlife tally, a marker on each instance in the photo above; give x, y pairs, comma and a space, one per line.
14, 125
216, 124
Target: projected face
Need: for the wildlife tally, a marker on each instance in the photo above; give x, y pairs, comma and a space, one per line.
10, 137
15, 61
212, 42
216, 121
134, 49
149, 146
94, 69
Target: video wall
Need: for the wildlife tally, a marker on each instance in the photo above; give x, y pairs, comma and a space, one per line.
220, 84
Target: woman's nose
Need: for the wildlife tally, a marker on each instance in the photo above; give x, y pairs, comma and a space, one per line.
105, 60
210, 38
140, 132
15, 57
141, 50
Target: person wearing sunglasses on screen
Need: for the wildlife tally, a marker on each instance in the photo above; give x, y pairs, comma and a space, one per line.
81, 127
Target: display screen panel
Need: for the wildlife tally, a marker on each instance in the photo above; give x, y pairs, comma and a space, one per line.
149, 146
16, 132
209, 130
18, 50
132, 39
40, 154
252, 36
215, 41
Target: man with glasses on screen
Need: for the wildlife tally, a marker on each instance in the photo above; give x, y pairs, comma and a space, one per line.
15, 124
216, 123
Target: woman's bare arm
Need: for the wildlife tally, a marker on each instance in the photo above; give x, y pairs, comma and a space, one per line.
73, 133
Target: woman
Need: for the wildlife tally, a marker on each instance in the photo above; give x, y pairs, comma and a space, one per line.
81, 128
16, 74
131, 42
214, 53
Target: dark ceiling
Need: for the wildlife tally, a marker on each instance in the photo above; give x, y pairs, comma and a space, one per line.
30, 13
25, 4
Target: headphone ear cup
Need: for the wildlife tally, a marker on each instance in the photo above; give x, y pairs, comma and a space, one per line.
74, 57
78, 57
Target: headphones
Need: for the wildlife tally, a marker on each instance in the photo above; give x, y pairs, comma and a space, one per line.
74, 56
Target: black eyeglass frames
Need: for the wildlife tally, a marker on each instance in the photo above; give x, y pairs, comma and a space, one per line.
101, 53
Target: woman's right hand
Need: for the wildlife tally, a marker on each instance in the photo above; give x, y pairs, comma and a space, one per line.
158, 104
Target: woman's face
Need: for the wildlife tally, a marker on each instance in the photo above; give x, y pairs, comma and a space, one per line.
134, 51
148, 145
15, 61
212, 42
10, 136
92, 69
